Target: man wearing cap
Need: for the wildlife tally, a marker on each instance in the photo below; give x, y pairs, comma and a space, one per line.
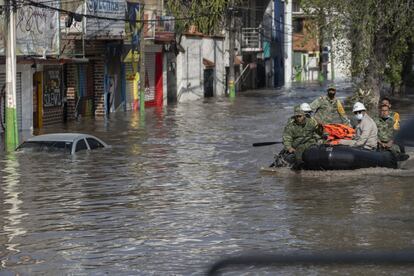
366, 131
394, 115
386, 131
328, 109
300, 133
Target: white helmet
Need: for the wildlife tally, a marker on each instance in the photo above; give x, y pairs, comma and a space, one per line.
305, 107
358, 107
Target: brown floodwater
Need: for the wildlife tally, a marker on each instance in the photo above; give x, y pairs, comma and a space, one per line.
182, 188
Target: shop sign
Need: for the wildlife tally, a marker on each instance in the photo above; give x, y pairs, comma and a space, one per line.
100, 27
52, 95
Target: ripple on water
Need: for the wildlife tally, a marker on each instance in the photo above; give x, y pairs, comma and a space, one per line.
182, 189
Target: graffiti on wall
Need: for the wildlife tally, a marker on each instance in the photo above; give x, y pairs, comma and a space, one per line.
37, 31
52, 95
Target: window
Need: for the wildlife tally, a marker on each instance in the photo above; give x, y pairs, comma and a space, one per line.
93, 143
297, 25
296, 6
81, 145
45, 146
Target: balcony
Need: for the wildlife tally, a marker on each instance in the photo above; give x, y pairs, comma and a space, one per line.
161, 29
251, 40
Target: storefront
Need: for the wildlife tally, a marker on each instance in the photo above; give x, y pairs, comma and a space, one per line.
153, 79
23, 97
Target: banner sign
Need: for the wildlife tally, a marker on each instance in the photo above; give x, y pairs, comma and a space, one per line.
52, 95
101, 28
132, 27
37, 30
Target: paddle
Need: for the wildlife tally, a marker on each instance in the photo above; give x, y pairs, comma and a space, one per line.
266, 143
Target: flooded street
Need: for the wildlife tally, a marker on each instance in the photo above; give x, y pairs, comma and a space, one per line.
182, 188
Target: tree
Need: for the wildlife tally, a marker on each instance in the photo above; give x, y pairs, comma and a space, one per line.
207, 15
378, 32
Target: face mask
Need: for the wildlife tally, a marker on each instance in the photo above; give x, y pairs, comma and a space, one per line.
331, 95
359, 116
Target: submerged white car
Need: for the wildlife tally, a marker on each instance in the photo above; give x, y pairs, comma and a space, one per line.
62, 142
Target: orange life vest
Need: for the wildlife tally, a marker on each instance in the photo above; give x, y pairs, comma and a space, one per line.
337, 132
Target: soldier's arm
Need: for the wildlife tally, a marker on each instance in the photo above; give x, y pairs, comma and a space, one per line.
315, 104
287, 138
317, 126
342, 113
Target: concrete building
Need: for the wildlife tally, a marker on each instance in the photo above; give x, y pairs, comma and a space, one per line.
200, 67
311, 60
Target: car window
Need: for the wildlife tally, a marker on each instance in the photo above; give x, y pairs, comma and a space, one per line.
94, 144
81, 145
45, 146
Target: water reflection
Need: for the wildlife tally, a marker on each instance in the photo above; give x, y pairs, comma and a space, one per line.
13, 215
182, 188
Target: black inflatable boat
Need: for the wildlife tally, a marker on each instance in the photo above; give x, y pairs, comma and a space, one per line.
346, 158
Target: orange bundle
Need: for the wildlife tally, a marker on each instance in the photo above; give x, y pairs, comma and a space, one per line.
335, 132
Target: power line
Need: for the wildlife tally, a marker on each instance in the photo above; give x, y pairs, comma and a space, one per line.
82, 3
41, 5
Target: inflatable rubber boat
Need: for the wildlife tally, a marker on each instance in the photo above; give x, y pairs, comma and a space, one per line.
346, 158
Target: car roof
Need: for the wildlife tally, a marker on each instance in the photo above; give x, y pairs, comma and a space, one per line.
64, 137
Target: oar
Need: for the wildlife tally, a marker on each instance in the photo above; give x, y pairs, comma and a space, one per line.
266, 143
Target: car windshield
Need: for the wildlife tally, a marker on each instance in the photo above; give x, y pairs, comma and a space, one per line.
46, 146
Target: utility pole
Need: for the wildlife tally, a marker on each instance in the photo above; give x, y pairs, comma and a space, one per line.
142, 64
332, 58
12, 136
232, 89
288, 37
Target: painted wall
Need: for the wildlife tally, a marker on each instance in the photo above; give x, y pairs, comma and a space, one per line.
190, 68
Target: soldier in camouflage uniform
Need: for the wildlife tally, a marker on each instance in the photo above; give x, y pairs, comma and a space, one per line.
385, 124
299, 134
328, 109
394, 115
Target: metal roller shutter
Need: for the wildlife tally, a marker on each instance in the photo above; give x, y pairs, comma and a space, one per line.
150, 77
129, 89
18, 98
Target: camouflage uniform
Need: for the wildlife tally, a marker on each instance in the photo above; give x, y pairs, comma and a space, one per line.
386, 131
301, 136
329, 111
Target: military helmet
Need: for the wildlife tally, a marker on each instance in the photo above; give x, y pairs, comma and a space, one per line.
331, 87
298, 111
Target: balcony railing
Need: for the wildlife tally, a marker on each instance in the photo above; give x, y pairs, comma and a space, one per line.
251, 40
159, 28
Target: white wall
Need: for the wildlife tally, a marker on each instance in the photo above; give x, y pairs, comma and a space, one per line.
190, 68
213, 50
341, 58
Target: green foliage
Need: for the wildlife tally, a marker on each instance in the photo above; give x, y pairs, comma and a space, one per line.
207, 15
377, 32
